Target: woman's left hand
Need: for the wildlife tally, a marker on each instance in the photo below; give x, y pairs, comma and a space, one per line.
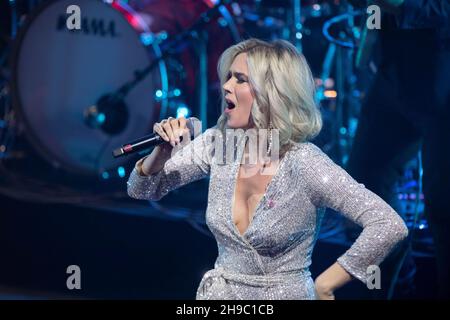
322, 292
330, 280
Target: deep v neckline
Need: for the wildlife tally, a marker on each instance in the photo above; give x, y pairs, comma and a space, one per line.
261, 200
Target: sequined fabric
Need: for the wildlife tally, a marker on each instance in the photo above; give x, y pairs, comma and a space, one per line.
271, 259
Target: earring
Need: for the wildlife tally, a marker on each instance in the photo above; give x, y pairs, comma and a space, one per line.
269, 149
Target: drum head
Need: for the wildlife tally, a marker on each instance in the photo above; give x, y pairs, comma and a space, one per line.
59, 74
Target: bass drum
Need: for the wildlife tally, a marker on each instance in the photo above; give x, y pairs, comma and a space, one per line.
59, 75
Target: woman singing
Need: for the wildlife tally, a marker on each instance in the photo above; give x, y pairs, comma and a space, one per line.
265, 214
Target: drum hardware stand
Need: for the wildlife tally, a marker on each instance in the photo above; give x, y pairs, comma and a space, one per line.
340, 50
13, 5
7, 113
202, 52
297, 24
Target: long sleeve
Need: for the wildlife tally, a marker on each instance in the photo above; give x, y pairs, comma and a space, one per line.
190, 163
418, 14
331, 186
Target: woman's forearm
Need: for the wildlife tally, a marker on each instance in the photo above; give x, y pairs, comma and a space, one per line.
154, 162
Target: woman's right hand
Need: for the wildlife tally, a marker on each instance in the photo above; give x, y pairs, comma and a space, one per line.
171, 129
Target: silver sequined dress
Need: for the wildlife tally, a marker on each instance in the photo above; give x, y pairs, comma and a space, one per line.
271, 259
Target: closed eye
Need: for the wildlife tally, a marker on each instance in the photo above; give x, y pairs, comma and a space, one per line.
241, 78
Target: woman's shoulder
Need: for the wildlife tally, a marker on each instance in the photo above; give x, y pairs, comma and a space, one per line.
308, 155
306, 150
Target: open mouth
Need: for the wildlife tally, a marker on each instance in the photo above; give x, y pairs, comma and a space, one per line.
230, 105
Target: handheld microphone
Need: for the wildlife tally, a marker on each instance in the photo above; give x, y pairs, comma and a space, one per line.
154, 139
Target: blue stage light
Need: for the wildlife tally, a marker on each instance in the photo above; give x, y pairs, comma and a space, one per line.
101, 118
121, 171
183, 111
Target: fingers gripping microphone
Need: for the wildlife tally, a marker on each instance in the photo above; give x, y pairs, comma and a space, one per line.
154, 139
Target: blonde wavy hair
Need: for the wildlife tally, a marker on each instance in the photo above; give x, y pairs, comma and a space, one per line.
283, 89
